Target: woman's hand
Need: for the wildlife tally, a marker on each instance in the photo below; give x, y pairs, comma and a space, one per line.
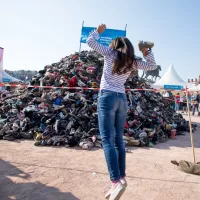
145, 51
101, 28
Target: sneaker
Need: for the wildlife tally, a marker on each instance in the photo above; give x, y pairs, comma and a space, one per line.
143, 44
8, 137
107, 196
117, 191
122, 182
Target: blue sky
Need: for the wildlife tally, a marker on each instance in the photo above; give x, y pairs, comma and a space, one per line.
35, 33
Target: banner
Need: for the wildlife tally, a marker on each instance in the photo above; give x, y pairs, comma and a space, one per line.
105, 38
173, 87
1, 64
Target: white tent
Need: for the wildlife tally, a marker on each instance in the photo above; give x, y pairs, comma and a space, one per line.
5, 77
8, 78
171, 77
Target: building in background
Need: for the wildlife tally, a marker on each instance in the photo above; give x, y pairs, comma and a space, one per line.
195, 81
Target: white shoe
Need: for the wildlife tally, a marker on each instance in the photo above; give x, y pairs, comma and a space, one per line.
117, 191
107, 196
123, 182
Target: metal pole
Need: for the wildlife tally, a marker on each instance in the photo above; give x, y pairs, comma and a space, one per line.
125, 27
81, 33
1, 65
80, 48
190, 123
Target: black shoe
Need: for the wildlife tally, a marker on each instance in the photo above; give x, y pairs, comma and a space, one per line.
8, 137
28, 135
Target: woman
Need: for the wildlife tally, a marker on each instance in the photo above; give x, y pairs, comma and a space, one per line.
177, 102
195, 106
119, 62
184, 106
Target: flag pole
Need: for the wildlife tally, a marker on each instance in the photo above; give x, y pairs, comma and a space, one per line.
81, 33
125, 27
1, 64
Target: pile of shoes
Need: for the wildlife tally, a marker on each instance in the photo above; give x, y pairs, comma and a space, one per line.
82, 69
68, 117
151, 120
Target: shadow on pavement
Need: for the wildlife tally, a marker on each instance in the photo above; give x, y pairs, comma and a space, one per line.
104, 174
27, 191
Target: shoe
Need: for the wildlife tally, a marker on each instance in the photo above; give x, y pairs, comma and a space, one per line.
26, 135
152, 133
107, 196
123, 182
150, 144
143, 44
8, 137
81, 83
37, 143
117, 191
131, 141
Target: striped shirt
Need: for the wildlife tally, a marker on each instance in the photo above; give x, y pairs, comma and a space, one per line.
115, 82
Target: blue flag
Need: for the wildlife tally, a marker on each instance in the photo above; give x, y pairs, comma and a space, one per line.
105, 38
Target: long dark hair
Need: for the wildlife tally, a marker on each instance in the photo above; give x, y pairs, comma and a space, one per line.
125, 55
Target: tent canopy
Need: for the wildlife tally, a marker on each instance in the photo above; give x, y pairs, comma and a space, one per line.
8, 78
171, 77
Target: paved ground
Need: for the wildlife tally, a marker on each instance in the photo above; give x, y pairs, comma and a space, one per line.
45, 173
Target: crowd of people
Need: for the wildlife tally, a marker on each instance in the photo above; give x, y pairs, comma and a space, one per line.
180, 101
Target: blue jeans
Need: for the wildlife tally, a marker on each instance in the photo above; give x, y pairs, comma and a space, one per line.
176, 106
194, 108
112, 112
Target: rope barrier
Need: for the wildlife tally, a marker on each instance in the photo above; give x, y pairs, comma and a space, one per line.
84, 88
75, 88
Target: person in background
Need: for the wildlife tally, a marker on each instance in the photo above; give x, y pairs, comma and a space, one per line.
185, 108
184, 103
195, 106
189, 100
177, 102
171, 100
170, 94
192, 98
119, 62
181, 103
